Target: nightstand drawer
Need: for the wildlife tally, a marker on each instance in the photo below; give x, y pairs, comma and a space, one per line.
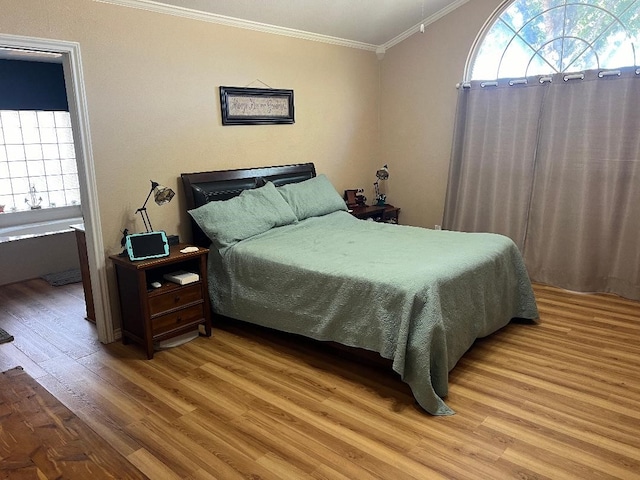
177, 319
175, 299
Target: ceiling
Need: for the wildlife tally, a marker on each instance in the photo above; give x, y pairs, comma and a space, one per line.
367, 24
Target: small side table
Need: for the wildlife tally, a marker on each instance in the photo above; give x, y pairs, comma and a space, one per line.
379, 213
150, 314
81, 240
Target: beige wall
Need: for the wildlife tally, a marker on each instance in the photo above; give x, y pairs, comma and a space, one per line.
418, 102
152, 88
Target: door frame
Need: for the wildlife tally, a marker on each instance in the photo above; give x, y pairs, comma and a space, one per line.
78, 110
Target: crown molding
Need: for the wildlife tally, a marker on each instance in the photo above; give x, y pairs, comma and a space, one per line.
158, 7
427, 21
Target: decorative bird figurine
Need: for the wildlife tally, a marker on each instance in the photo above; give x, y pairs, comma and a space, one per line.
123, 242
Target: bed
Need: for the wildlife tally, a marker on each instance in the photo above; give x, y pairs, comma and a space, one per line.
287, 255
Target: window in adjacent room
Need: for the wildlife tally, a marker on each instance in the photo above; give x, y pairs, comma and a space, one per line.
38, 169
37, 160
544, 37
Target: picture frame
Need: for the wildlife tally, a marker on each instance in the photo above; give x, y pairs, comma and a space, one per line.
256, 106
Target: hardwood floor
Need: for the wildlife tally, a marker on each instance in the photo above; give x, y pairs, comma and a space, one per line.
41, 438
556, 400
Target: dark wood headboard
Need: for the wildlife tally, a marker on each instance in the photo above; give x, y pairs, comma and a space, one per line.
205, 187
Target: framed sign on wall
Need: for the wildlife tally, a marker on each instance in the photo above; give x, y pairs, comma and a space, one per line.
256, 106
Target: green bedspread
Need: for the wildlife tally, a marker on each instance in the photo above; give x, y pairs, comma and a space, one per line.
418, 297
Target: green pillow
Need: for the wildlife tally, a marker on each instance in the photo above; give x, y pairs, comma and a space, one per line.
312, 198
252, 212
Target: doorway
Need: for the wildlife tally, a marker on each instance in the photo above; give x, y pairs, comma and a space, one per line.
69, 55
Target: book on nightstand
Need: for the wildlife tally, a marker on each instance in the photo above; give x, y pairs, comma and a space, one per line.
182, 277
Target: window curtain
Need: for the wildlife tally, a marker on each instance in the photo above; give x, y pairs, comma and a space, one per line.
556, 167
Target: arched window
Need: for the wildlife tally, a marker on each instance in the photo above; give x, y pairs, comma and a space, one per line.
554, 163
543, 37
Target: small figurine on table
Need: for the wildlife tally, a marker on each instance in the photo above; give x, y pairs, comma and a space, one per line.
123, 242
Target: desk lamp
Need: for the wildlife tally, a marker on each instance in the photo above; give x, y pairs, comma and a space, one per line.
161, 195
381, 174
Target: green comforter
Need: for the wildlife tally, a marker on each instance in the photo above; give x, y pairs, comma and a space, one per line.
419, 297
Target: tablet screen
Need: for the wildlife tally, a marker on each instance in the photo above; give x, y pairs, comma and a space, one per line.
141, 246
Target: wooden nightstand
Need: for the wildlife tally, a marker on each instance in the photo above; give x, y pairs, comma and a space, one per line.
150, 314
382, 213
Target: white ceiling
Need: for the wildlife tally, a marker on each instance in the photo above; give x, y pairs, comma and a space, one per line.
367, 24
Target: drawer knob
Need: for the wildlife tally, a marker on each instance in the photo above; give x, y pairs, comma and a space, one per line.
179, 319
176, 298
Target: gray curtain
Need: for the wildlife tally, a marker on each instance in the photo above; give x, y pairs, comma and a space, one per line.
556, 167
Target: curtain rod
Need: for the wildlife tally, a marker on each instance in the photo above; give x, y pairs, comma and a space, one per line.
543, 79
573, 76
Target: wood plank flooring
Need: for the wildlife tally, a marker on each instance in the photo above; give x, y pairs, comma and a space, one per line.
555, 400
41, 438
